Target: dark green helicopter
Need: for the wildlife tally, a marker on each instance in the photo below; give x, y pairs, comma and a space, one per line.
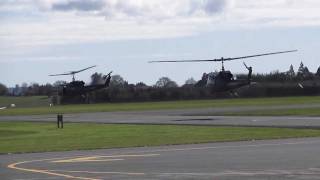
75, 88
224, 81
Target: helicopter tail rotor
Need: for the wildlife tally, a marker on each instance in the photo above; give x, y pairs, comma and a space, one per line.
108, 75
245, 65
249, 68
108, 79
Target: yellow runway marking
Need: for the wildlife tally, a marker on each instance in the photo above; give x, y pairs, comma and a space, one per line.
102, 158
99, 172
14, 166
85, 159
78, 160
88, 159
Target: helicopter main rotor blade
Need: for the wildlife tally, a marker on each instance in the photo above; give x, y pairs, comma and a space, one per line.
257, 55
227, 59
203, 60
60, 74
74, 72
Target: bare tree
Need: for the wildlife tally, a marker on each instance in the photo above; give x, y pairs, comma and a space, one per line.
59, 83
165, 82
117, 80
190, 81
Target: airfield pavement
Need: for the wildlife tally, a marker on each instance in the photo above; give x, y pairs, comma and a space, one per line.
185, 116
268, 159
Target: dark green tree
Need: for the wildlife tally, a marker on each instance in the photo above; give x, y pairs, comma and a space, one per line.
318, 71
303, 72
291, 72
141, 85
301, 69
97, 78
3, 89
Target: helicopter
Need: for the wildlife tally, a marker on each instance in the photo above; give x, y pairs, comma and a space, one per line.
224, 81
75, 88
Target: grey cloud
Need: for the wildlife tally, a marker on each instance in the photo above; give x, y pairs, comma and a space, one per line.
130, 9
105, 7
11, 2
209, 7
80, 5
214, 6
19, 4
140, 11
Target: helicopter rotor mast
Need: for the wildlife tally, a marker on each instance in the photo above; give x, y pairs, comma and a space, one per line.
222, 64
72, 73
226, 59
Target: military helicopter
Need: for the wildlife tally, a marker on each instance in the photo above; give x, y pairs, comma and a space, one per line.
224, 81
75, 88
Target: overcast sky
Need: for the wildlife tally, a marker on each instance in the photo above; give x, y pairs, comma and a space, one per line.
42, 37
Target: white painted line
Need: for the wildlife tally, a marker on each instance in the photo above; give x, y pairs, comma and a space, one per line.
248, 173
222, 147
142, 154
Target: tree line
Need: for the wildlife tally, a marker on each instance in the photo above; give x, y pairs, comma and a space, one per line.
289, 83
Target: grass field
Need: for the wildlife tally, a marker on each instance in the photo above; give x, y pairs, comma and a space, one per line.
29, 101
160, 105
39, 137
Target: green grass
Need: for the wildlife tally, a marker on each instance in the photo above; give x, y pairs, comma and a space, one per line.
16, 137
161, 105
29, 101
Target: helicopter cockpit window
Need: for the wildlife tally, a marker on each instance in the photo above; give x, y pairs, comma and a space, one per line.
211, 78
226, 75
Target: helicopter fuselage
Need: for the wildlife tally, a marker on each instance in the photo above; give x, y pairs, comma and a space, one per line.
75, 88
224, 81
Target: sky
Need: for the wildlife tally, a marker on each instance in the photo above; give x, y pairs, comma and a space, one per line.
42, 37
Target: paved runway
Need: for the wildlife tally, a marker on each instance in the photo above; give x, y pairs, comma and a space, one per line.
271, 159
185, 116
